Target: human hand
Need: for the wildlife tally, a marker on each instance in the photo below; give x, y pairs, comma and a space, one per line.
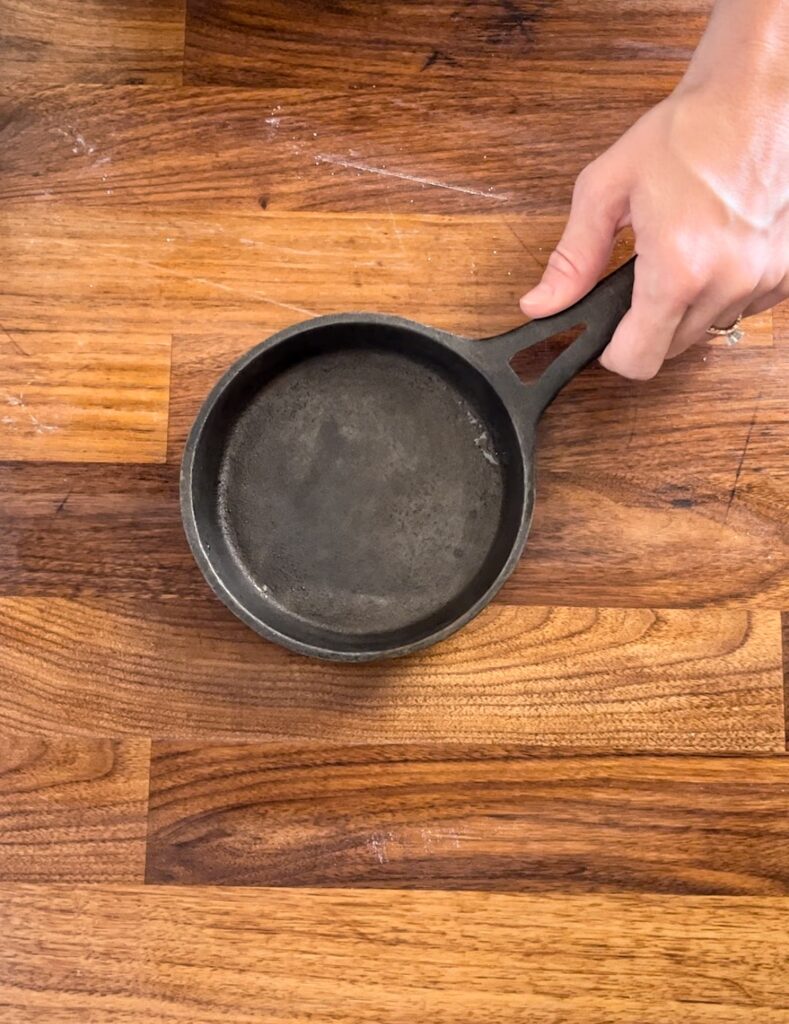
703, 179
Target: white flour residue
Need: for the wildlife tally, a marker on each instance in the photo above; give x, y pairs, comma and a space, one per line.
483, 441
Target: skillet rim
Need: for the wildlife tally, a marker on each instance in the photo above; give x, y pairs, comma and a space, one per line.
501, 379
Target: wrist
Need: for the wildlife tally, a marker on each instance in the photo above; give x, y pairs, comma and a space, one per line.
743, 59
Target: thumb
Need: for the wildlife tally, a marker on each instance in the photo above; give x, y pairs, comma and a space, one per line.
578, 261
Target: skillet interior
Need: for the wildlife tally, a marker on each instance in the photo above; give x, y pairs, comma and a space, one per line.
355, 489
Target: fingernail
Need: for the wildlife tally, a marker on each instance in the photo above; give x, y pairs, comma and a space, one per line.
542, 293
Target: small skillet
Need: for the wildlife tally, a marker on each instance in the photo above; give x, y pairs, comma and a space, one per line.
360, 486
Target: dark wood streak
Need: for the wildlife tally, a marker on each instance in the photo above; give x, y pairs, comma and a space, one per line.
485, 43
467, 818
48, 42
785, 631
120, 531
159, 147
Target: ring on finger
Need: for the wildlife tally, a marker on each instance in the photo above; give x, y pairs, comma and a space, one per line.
732, 334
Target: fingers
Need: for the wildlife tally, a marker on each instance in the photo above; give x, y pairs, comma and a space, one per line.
769, 299
731, 295
675, 302
688, 276
710, 310
598, 208
643, 338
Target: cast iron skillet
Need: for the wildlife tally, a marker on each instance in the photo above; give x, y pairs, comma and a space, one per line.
360, 486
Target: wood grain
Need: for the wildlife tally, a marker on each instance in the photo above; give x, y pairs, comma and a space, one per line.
84, 528
200, 359
118, 268
417, 158
105, 530
201, 956
214, 149
84, 397
632, 480
785, 621
626, 488
72, 809
48, 42
414, 42
706, 680
451, 817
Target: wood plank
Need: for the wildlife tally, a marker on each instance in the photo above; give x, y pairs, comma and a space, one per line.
415, 42
146, 955
121, 266
74, 810
706, 680
213, 149
632, 492
74, 268
84, 397
49, 42
625, 492
84, 528
118, 529
785, 621
202, 358
454, 817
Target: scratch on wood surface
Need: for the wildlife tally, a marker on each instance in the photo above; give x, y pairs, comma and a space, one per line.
77, 139
540, 263
437, 836
419, 842
17, 347
184, 276
356, 165
378, 845
396, 229
733, 491
62, 504
275, 247
40, 428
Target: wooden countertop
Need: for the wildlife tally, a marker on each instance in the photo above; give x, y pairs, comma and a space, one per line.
528, 822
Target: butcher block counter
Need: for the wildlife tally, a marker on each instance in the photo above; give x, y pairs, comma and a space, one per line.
574, 810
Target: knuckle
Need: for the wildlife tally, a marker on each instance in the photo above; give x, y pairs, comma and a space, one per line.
566, 262
689, 268
686, 284
775, 279
587, 183
741, 280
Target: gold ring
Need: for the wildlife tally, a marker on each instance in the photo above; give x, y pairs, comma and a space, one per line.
732, 333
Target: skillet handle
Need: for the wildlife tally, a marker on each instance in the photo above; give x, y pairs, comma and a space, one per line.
601, 310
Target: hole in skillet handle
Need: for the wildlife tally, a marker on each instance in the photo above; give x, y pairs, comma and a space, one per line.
530, 363
597, 314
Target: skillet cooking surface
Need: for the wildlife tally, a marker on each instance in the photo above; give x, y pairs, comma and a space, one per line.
360, 488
